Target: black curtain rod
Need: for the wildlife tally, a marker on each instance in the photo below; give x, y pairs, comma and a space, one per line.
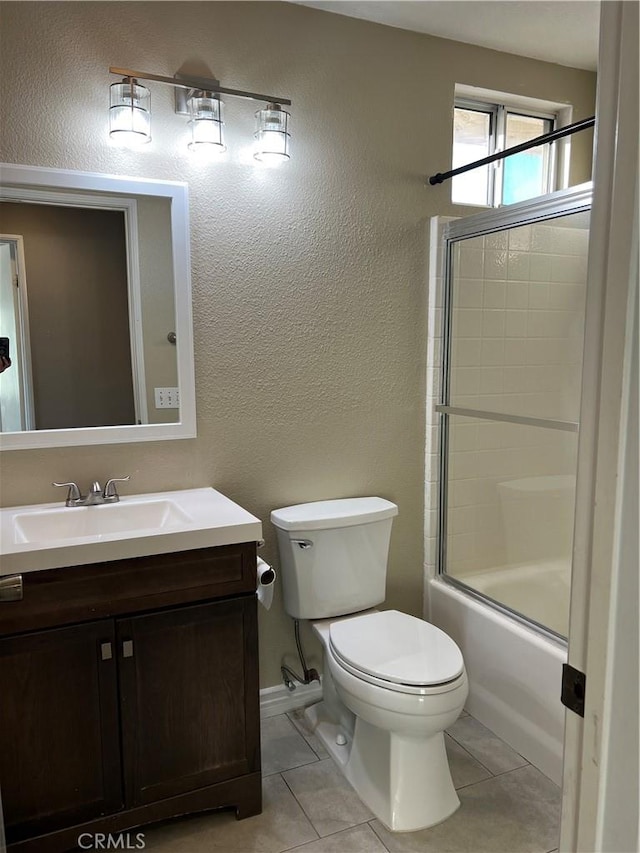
583, 124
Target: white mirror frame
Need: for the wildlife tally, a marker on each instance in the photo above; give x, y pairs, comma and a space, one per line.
13, 178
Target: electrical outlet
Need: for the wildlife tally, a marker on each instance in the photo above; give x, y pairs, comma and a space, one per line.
167, 398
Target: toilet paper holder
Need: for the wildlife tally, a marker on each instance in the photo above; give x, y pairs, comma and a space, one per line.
265, 580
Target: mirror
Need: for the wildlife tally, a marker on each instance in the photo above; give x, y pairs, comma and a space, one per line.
95, 301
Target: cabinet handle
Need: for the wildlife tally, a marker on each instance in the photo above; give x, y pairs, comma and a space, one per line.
105, 651
127, 648
11, 588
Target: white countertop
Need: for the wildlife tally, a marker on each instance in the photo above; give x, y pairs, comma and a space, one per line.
197, 518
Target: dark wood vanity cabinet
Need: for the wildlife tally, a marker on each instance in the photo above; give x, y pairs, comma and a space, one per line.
147, 712
59, 729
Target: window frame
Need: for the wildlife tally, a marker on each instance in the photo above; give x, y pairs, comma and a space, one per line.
498, 113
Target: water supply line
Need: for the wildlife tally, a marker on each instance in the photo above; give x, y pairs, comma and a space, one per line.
289, 676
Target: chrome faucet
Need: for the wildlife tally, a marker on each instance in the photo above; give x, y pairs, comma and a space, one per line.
96, 495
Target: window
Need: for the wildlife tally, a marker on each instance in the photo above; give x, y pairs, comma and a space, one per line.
481, 129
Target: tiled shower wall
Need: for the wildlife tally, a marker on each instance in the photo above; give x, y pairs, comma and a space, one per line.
518, 317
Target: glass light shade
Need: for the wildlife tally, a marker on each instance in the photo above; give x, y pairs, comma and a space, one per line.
207, 126
129, 113
272, 135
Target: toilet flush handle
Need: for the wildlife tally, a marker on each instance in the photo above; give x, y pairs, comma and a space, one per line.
303, 543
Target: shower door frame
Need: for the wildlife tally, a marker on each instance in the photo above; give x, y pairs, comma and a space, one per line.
562, 203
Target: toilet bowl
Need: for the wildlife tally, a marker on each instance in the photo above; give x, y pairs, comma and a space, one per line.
386, 705
391, 682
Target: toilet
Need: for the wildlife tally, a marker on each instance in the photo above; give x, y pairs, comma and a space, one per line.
391, 683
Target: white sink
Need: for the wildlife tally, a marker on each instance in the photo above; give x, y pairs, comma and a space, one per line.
96, 521
47, 536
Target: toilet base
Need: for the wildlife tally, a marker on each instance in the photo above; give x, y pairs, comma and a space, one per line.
404, 780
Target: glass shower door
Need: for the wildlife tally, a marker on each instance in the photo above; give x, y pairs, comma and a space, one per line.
512, 365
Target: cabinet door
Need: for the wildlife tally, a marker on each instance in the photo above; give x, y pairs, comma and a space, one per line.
59, 732
189, 698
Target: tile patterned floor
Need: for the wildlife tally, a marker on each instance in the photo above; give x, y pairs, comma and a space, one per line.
507, 805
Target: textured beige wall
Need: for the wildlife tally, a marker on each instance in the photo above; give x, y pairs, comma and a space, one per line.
309, 282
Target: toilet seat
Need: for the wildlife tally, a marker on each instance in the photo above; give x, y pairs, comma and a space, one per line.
393, 687
397, 651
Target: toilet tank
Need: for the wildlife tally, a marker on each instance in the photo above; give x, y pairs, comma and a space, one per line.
333, 555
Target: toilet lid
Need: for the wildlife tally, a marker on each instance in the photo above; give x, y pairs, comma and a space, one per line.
398, 648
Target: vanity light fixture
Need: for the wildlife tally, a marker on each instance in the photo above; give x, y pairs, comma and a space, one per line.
272, 134
199, 98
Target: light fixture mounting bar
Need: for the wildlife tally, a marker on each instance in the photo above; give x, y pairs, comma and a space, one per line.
199, 84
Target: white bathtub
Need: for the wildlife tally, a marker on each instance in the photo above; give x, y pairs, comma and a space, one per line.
539, 591
514, 672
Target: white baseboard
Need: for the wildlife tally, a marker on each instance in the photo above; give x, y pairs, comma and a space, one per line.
278, 700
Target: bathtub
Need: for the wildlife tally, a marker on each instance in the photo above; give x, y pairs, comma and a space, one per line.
514, 671
538, 591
